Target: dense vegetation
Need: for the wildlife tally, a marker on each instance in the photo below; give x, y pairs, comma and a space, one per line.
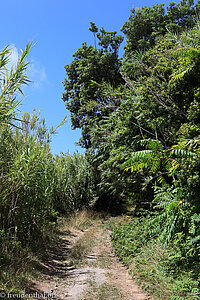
139, 117
140, 122
35, 186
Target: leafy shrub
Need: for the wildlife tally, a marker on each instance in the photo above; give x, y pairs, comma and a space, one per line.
129, 237
164, 272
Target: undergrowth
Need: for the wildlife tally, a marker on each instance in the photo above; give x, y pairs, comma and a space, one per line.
19, 265
162, 271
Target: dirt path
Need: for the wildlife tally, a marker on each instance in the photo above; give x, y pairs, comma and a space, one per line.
71, 271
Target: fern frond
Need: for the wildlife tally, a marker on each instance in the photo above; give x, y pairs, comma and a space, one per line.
194, 240
154, 145
183, 153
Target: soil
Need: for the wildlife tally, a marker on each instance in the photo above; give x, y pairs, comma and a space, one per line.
63, 280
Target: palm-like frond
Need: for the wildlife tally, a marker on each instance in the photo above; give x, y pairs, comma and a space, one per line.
156, 158
188, 50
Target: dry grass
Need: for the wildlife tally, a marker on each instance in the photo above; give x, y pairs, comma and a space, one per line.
19, 269
83, 226
103, 292
84, 245
86, 230
80, 220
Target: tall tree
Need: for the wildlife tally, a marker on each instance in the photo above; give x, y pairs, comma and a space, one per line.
147, 24
91, 67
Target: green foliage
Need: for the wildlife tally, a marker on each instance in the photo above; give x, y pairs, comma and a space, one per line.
143, 115
143, 26
139, 113
163, 272
34, 185
91, 67
26, 183
174, 215
157, 159
11, 82
151, 94
147, 24
73, 183
128, 238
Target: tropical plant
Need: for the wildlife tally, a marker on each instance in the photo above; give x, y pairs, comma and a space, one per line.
158, 160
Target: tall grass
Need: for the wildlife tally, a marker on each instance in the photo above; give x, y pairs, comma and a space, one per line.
35, 185
74, 184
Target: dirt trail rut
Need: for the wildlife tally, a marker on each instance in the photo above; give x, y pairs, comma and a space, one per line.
100, 276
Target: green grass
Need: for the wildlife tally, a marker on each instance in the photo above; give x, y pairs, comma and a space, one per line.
110, 222
160, 271
152, 270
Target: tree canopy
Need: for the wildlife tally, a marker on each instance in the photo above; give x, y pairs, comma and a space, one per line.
91, 67
151, 93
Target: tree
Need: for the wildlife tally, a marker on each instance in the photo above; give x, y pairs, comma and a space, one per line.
117, 103
91, 67
147, 24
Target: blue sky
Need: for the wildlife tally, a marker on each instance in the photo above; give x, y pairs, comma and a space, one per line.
58, 27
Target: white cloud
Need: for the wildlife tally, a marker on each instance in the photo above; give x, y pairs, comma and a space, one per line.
13, 58
37, 74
